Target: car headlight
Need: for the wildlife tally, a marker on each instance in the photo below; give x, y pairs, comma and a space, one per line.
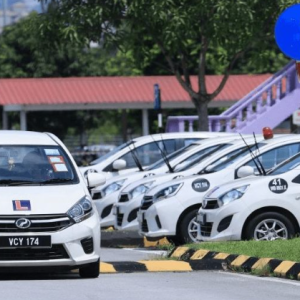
113, 187
140, 189
82, 210
167, 192
233, 194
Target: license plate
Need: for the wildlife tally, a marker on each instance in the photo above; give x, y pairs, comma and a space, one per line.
201, 218
25, 242
140, 217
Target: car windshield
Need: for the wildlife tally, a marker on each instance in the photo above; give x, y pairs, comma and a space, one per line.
109, 154
21, 165
172, 156
230, 158
198, 157
286, 166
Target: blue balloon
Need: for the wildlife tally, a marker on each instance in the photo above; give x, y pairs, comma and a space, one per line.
287, 32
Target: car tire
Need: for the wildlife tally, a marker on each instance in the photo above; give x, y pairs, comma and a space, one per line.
90, 271
269, 226
187, 230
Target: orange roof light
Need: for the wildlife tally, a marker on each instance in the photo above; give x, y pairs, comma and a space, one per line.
267, 133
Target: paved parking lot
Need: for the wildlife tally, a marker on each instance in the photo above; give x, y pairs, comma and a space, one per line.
149, 286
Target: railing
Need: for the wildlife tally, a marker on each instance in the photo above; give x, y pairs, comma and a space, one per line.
256, 103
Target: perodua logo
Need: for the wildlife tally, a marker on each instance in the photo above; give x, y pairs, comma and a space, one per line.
23, 223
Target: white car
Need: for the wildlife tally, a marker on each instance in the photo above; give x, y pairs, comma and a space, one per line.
121, 161
106, 196
48, 220
170, 209
259, 208
131, 196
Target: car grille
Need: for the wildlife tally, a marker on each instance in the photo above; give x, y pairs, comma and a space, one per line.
124, 198
145, 226
147, 202
211, 204
55, 252
206, 229
39, 223
119, 219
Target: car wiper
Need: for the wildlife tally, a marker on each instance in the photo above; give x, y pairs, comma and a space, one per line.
56, 180
12, 182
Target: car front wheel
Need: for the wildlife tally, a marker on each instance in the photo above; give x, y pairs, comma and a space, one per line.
188, 227
270, 226
90, 271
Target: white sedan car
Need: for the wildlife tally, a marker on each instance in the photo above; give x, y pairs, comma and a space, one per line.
170, 209
130, 197
120, 160
259, 208
48, 220
107, 195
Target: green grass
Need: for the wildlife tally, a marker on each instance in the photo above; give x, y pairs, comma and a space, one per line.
280, 249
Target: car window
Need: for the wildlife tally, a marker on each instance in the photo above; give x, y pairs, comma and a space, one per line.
149, 153
196, 158
172, 156
286, 166
229, 159
109, 154
274, 157
35, 164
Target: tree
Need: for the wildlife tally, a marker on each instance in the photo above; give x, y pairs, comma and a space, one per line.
180, 29
23, 55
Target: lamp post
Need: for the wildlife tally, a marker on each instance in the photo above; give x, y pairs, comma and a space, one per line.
157, 106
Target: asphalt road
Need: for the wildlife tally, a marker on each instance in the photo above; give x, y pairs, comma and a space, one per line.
149, 286
146, 286
110, 254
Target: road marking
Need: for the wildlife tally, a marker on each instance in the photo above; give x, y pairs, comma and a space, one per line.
166, 266
199, 254
283, 268
221, 256
179, 251
239, 260
261, 263
271, 279
106, 268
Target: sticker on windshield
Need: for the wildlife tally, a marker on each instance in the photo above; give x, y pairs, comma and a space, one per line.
52, 152
200, 185
56, 159
60, 168
278, 185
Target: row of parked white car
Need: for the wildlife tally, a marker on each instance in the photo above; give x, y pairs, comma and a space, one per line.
202, 186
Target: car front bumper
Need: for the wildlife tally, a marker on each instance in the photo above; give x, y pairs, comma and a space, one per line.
221, 224
105, 211
71, 252
160, 219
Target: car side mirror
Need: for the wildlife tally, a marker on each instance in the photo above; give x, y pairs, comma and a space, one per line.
95, 179
119, 164
245, 171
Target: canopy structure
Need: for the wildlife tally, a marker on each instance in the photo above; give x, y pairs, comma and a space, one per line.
103, 93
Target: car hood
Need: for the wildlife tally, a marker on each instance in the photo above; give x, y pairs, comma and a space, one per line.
43, 199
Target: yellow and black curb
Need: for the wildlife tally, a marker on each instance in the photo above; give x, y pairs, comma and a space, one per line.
243, 263
188, 260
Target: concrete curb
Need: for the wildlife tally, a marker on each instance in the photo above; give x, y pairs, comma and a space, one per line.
240, 263
159, 266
